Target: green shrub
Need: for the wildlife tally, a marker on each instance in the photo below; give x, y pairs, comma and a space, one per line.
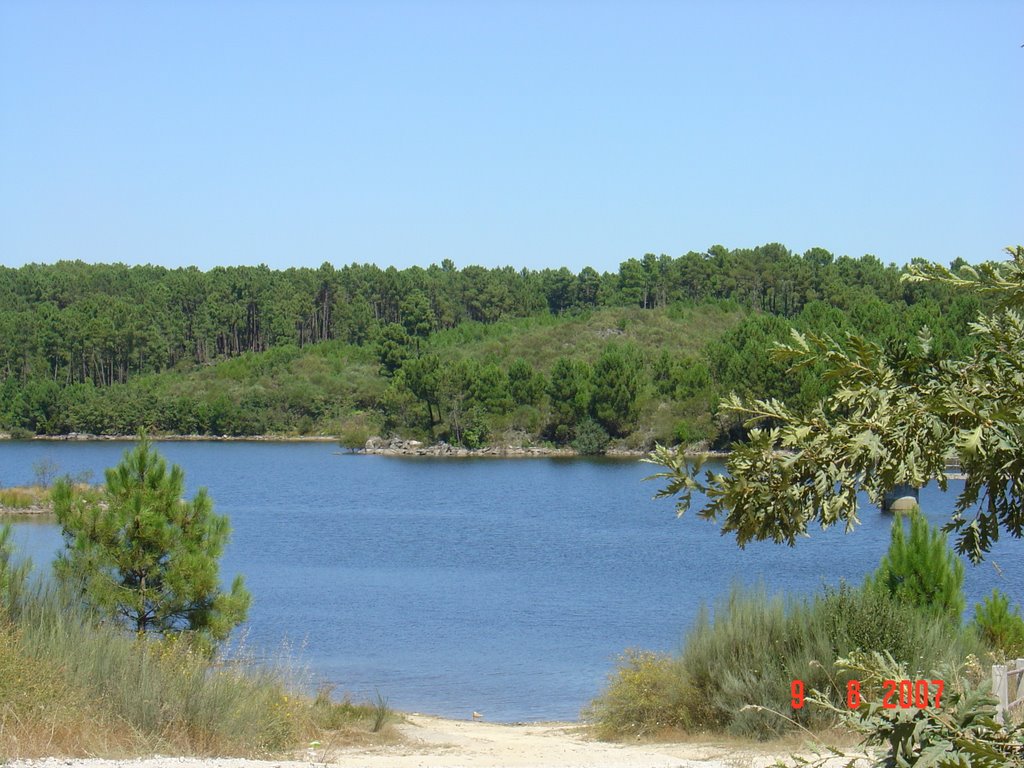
735, 670
527, 418
999, 626
749, 654
871, 620
922, 570
472, 430
591, 439
961, 732
739, 666
686, 433
355, 430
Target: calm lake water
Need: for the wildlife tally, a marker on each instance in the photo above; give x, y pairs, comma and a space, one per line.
503, 586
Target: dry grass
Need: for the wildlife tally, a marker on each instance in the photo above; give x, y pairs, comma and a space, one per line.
23, 498
42, 714
71, 687
35, 499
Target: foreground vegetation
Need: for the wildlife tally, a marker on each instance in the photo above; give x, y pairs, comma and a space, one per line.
890, 419
470, 356
144, 556
737, 672
123, 652
737, 666
70, 685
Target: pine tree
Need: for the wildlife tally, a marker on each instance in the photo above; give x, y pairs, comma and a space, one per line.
12, 577
922, 570
999, 625
616, 386
147, 557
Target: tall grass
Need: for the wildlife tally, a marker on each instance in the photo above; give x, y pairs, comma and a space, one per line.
735, 671
24, 497
85, 688
35, 497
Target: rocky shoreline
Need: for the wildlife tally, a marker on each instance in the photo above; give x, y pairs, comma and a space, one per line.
36, 510
378, 446
396, 446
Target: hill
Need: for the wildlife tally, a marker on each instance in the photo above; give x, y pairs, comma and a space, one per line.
478, 369
468, 356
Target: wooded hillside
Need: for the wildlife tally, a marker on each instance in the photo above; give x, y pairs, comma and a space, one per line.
469, 355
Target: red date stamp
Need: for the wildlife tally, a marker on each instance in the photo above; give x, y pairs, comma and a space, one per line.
896, 694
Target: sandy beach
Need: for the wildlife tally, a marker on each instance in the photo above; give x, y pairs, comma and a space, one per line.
432, 742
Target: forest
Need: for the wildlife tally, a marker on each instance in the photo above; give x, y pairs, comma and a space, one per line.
472, 355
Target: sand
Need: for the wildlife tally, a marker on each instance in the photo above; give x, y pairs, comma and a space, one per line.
432, 742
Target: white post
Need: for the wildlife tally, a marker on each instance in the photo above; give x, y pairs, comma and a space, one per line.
1018, 692
999, 690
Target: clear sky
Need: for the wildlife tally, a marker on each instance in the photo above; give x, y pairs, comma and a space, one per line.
529, 133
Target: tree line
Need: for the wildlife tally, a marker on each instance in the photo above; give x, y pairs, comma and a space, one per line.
80, 344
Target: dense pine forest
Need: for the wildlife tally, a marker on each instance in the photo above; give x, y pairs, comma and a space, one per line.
471, 356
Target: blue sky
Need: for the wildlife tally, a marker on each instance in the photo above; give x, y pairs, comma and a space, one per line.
525, 133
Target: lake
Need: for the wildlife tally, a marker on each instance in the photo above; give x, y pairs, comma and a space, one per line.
505, 586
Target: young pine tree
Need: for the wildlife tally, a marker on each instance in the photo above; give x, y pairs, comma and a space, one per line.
12, 578
147, 557
1000, 625
921, 569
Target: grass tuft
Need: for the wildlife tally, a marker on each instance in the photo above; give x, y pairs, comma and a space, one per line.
381, 713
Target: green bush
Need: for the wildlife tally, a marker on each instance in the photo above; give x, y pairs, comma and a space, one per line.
735, 670
870, 620
740, 665
591, 439
471, 430
960, 733
922, 570
355, 430
749, 654
1001, 627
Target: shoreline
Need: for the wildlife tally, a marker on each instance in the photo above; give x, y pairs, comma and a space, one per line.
86, 437
23, 513
376, 446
